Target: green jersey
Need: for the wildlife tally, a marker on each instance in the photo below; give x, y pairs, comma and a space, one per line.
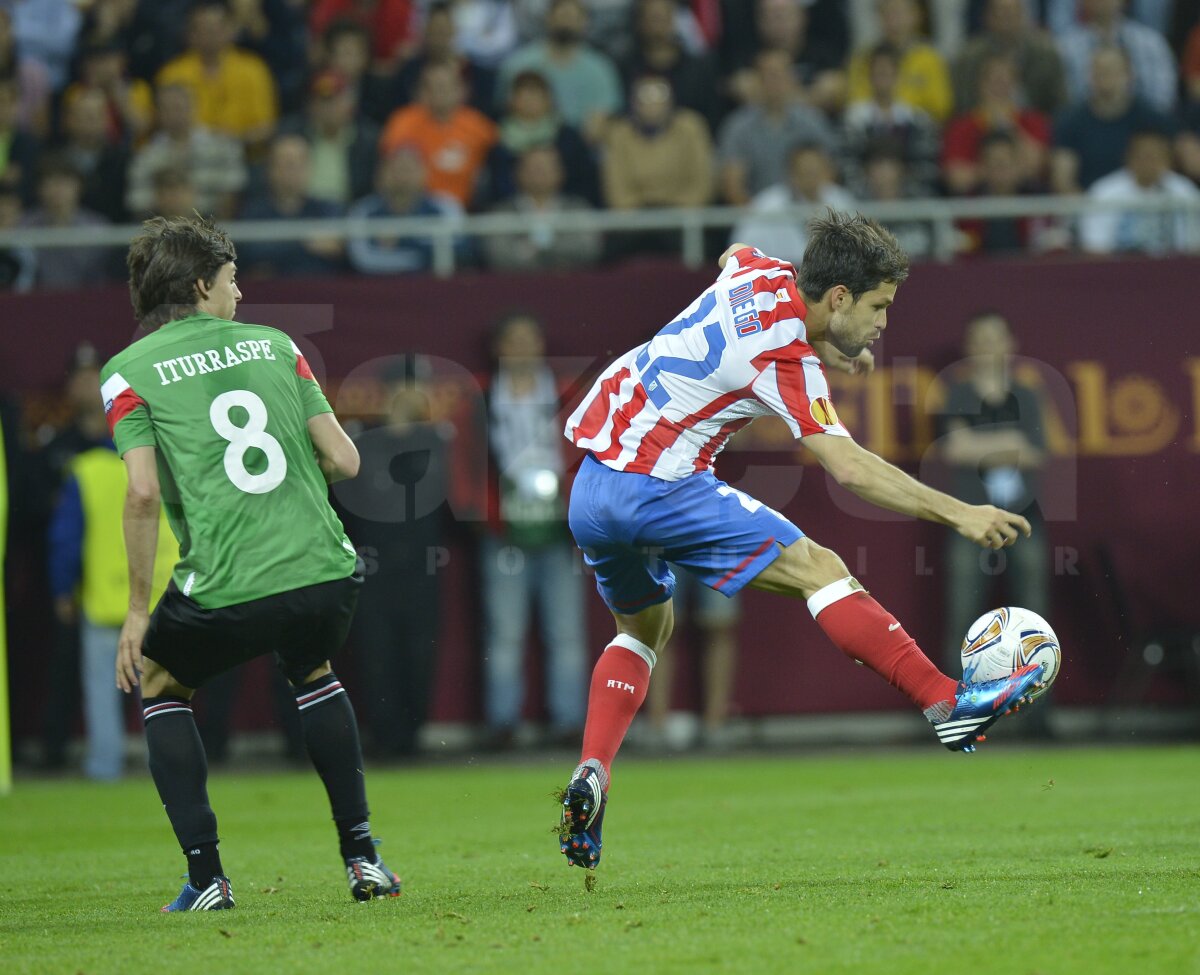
226, 406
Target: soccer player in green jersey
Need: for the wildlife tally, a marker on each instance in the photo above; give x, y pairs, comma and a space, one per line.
225, 426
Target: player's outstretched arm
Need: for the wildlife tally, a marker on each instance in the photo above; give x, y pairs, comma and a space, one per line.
336, 454
140, 522
874, 479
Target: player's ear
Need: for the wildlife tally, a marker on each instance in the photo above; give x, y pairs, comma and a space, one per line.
837, 297
203, 288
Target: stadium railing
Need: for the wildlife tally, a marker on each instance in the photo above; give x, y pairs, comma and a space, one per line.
692, 224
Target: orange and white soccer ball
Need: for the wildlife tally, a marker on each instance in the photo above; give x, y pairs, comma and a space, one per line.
1004, 639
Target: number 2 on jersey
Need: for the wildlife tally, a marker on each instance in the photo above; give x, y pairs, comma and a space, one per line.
241, 439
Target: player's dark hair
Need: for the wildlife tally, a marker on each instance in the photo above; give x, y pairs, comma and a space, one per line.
167, 259
851, 250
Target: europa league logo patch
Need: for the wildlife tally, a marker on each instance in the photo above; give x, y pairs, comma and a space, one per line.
823, 412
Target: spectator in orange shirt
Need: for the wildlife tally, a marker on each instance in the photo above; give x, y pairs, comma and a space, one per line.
453, 138
233, 90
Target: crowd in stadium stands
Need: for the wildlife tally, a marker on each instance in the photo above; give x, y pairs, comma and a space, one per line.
113, 110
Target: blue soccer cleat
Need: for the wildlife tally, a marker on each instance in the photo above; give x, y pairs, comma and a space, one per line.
583, 805
371, 878
217, 896
978, 706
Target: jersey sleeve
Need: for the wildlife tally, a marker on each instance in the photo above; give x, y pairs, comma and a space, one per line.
127, 414
751, 258
311, 396
794, 387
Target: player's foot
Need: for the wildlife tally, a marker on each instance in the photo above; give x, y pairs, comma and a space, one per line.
371, 878
978, 706
217, 896
583, 805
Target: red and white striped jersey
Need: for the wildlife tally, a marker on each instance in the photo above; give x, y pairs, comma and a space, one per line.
738, 352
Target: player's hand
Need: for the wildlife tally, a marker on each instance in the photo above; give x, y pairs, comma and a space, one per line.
729, 252
992, 527
129, 649
860, 365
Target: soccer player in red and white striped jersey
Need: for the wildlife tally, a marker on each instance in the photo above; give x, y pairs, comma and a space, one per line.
739, 351
755, 343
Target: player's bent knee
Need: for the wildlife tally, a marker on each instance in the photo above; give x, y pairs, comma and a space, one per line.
157, 681
801, 569
652, 626
827, 567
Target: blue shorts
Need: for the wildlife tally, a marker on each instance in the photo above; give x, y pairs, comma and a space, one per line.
630, 525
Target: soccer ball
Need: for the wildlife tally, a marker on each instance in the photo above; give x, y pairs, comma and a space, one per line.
1004, 639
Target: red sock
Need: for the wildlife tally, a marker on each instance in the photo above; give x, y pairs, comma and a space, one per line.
619, 684
865, 631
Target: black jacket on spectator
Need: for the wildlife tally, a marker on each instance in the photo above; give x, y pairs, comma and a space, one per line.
103, 181
1100, 143
693, 80
155, 35
284, 48
828, 36
23, 152
582, 174
285, 258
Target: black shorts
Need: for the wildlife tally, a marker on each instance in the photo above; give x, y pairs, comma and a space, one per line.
302, 627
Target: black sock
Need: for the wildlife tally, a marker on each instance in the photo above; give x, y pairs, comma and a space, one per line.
180, 772
331, 737
204, 863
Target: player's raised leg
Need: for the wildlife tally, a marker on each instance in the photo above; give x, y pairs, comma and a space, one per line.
179, 768
868, 633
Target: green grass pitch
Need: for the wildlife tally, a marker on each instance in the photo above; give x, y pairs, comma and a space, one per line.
1025, 861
